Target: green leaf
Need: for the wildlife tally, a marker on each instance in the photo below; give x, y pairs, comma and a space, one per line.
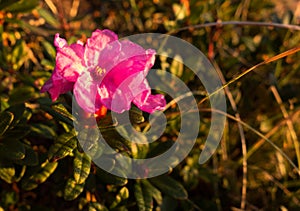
169, 204
3, 99
21, 94
9, 198
21, 52
42, 130
82, 166
115, 140
156, 194
88, 139
12, 150
47, 64
31, 157
148, 199
35, 29
6, 3
61, 109
57, 115
7, 172
53, 22
18, 132
23, 6
63, 146
21, 113
108, 178
39, 176
144, 195
20, 171
138, 193
6, 119
176, 67
95, 206
169, 186
160, 148
122, 195
136, 115
72, 189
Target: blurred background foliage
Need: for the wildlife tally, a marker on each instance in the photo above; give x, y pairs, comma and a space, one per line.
43, 168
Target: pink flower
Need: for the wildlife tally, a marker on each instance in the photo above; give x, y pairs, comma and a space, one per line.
104, 72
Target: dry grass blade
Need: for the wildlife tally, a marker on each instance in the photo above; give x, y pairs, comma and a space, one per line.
288, 122
256, 132
242, 135
272, 59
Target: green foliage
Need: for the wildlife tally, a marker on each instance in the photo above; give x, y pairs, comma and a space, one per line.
72, 189
38, 175
170, 187
6, 119
63, 146
22, 6
82, 166
42, 161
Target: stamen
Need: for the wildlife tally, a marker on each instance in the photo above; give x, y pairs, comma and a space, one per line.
99, 70
98, 73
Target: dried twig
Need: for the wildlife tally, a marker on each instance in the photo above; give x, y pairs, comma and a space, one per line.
237, 23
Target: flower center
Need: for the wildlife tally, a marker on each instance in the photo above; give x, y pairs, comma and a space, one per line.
98, 73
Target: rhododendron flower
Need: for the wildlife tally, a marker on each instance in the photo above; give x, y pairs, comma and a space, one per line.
104, 72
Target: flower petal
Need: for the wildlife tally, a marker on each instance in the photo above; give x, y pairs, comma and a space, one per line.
120, 98
136, 60
86, 93
147, 102
152, 104
95, 44
109, 56
123, 81
57, 85
69, 62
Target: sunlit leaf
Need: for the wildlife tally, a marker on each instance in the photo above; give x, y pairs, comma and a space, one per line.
177, 66
39, 176
60, 116
89, 141
7, 172
136, 115
49, 49
42, 130
115, 140
95, 206
49, 65
63, 146
82, 166
72, 189
52, 21
122, 195
61, 109
20, 172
